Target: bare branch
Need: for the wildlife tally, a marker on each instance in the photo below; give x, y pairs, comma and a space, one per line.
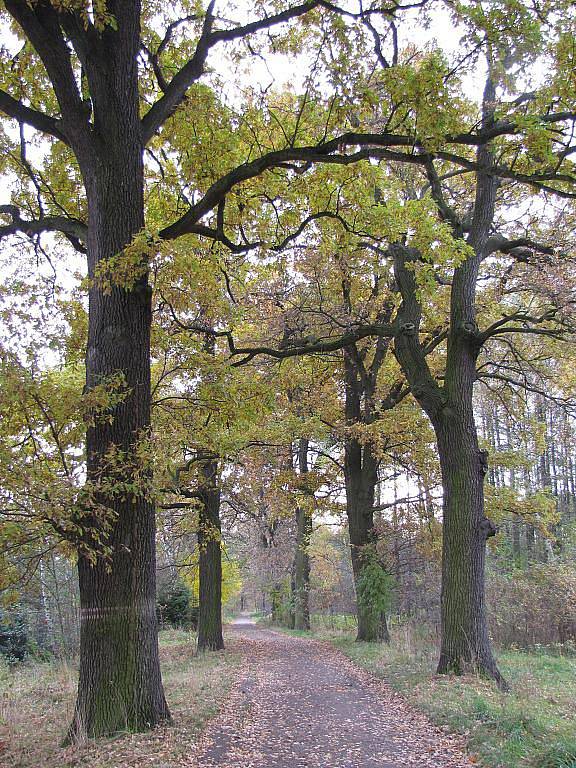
521, 248
318, 347
175, 91
73, 229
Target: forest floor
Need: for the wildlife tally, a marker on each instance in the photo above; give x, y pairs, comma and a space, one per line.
534, 726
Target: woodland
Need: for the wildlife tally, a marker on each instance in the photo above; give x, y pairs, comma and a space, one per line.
288, 311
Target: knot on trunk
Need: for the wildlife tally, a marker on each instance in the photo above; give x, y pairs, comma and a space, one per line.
469, 328
408, 329
488, 528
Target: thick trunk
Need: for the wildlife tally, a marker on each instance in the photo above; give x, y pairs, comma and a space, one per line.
120, 686
210, 554
301, 589
276, 599
465, 641
372, 625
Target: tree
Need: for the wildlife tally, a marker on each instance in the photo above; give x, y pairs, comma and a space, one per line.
523, 141
85, 83
450, 406
301, 566
210, 557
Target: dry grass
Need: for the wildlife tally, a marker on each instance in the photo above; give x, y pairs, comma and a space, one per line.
37, 700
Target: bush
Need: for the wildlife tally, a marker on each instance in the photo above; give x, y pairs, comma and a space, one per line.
376, 588
533, 607
174, 606
14, 643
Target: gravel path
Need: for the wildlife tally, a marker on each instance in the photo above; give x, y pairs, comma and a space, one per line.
300, 703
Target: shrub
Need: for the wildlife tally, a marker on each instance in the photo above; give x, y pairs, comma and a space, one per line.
174, 606
14, 643
532, 607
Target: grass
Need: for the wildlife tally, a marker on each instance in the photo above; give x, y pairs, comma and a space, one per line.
534, 726
37, 700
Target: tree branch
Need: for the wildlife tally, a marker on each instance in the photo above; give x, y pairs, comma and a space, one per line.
175, 91
388, 146
521, 248
407, 347
38, 120
41, 25
73, 229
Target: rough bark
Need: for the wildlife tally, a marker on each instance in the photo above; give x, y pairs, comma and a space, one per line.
210, 636
301, 569
465, 640
120, 685
361, 478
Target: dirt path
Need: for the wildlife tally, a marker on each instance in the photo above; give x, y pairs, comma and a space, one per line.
299, 703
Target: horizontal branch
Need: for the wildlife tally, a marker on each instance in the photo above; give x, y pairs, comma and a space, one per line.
32, 117
311, 348
519, 247
528, 324
73, 229
386, 146
524, 386
297, 349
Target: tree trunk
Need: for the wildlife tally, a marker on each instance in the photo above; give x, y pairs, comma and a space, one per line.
292, 616
359, 509
383, 631
361, 478
465, 640
276, 598
45, 629
120, 686
210, 553
301, 591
